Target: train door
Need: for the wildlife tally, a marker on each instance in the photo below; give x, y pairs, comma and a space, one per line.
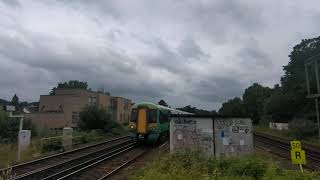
142, 121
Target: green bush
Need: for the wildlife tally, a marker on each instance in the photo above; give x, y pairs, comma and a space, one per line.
96, 117
54, 145
301, 129
195, 165
251, 166
9, 128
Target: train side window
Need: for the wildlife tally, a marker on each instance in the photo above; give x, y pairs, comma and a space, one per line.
152, 115
134, 115
164, 117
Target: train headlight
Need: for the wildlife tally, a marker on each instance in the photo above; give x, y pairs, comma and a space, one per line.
132, 127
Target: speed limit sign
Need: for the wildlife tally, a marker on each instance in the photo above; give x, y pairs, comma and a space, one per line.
295, 145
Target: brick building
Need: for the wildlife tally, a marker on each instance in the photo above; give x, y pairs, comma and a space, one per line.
62, 109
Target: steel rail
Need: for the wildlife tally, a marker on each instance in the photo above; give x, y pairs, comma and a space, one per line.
128, 162
66, 173
39, 160
69, 161
122, 166
315, 156
284, 146
97, 161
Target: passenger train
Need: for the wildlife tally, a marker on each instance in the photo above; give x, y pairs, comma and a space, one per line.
150, 122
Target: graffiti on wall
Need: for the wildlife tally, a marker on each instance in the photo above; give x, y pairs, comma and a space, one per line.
187, 135
233, 136
226, 137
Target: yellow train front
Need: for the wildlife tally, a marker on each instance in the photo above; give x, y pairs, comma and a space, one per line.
149, 122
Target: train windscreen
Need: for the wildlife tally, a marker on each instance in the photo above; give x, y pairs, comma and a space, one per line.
152, 115
134, 115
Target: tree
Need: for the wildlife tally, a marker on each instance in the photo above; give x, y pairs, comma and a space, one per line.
254, 99
162, 103
95, 117
71, 84
280, 106
188, 108
233, 107
293, 82
195, 110
15, 100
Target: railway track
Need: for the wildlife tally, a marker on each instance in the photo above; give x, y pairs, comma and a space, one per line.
47, 166
128, 161
281, 147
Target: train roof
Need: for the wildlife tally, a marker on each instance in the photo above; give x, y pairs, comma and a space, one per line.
156, 106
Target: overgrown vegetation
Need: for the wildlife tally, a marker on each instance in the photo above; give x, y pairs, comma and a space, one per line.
96, 117
194, 165
72, 84
10, 127
302, 129
6, 174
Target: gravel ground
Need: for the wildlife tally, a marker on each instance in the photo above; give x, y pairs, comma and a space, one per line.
140, 163
284, 163
103, 168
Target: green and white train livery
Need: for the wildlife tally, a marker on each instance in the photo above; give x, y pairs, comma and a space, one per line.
150, 122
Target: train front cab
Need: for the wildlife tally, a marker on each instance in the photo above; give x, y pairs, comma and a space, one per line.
144, 124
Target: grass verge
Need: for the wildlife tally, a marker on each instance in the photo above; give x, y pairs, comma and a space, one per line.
195, 165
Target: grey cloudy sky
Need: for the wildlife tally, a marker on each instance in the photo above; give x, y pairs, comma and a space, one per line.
199, 52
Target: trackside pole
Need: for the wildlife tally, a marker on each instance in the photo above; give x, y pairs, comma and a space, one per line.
301, 168
19, 143
318, 121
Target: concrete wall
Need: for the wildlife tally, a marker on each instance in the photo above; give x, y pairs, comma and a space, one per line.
233, 136
219, 136
192, 134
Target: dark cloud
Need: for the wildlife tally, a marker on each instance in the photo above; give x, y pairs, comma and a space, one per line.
186, 52
216, 89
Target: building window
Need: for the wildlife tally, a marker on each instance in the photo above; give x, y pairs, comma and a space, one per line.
94, 100
75, 117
